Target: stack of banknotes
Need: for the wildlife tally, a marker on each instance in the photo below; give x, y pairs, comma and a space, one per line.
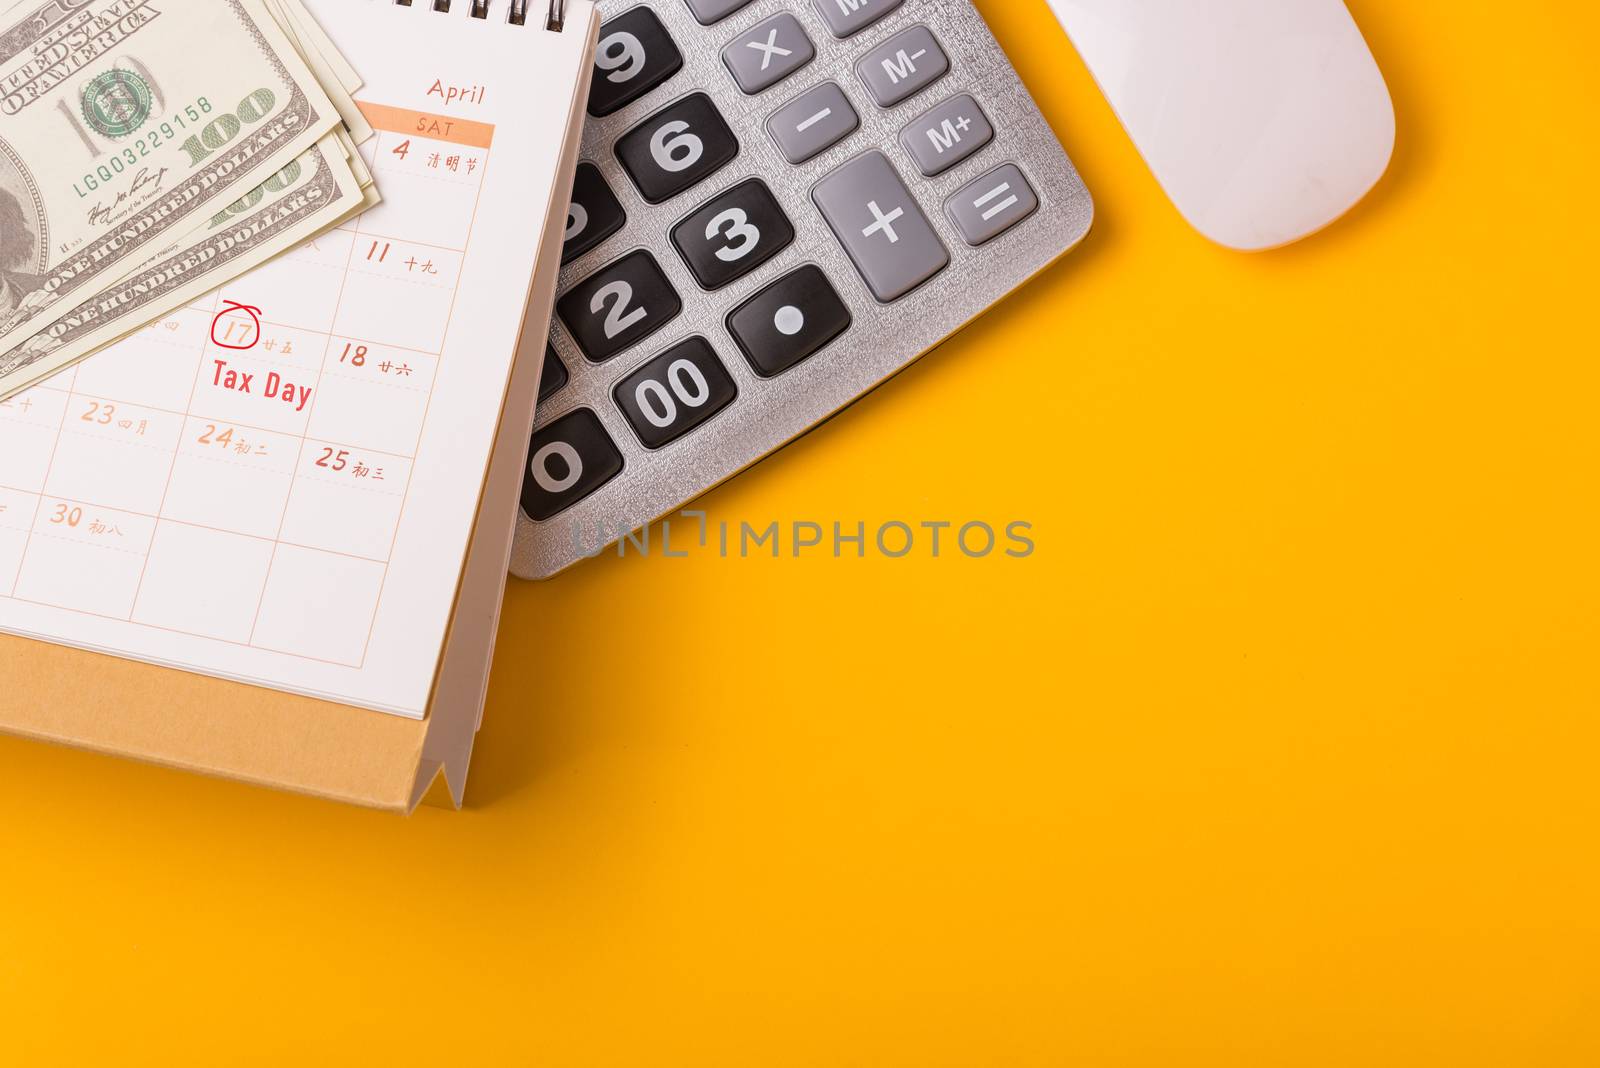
152, 150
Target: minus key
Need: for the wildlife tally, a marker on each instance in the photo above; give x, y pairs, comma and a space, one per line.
817, 119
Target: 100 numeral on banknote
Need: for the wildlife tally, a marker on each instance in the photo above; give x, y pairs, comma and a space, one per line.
126, 124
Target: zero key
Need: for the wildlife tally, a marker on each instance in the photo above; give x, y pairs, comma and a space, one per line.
874, 217
567, 460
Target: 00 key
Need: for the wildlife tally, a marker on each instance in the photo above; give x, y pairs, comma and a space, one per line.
675, 392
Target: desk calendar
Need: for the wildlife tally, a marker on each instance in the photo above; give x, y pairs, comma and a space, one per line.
238, 472
279, 483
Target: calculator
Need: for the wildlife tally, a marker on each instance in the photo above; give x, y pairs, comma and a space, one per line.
778, 206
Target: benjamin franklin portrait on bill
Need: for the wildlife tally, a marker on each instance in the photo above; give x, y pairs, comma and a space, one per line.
21, 240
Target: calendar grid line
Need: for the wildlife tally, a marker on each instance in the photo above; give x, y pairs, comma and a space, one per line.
196, 526
422, 424
238, 424
166, 487
376, 236
283, 516
55, 447
333, 334
97, 548
178, 630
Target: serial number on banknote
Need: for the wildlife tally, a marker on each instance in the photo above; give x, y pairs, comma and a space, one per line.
181, 121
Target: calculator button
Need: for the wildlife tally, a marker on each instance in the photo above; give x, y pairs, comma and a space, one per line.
788, 321
845, 17
946, 134
768, 52
619, 305
633, 56
594, 215
989, 205
906, 63
880, 226
675, 392
734, 233
554, 374
708, 11
818, 118
567, 461
676, 147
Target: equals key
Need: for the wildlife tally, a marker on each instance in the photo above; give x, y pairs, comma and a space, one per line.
991, 204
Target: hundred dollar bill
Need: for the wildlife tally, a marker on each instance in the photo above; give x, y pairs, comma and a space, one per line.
334, 73
124, 125
316, 191
313, 32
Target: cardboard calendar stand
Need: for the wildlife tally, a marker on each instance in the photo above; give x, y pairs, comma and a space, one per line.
252, 734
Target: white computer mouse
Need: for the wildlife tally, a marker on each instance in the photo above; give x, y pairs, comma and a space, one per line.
1264, 120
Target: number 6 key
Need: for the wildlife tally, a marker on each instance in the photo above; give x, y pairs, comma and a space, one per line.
671, 150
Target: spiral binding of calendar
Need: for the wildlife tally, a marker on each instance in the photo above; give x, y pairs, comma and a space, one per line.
517, 15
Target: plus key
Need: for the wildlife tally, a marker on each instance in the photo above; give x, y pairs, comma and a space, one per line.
887, 237
882, 223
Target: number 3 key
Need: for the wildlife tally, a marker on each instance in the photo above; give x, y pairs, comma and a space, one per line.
736, 232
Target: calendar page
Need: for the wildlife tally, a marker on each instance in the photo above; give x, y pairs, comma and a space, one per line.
277, 483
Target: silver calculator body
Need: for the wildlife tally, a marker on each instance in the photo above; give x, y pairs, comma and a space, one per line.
779, 205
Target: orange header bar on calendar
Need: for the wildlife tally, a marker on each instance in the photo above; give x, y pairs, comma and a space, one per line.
422, 124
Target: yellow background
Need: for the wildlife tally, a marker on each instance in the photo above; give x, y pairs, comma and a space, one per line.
1280, 750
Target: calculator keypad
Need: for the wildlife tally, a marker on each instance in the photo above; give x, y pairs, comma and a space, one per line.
633, 56
989, 205
708, 11
768, 52
554, 374
845, 17
905, 64
594, 215
619, 305
567, 460
817, 119
788, 320
734, 233
678, 146
946, 134
675, 392
873, 215
761, 161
